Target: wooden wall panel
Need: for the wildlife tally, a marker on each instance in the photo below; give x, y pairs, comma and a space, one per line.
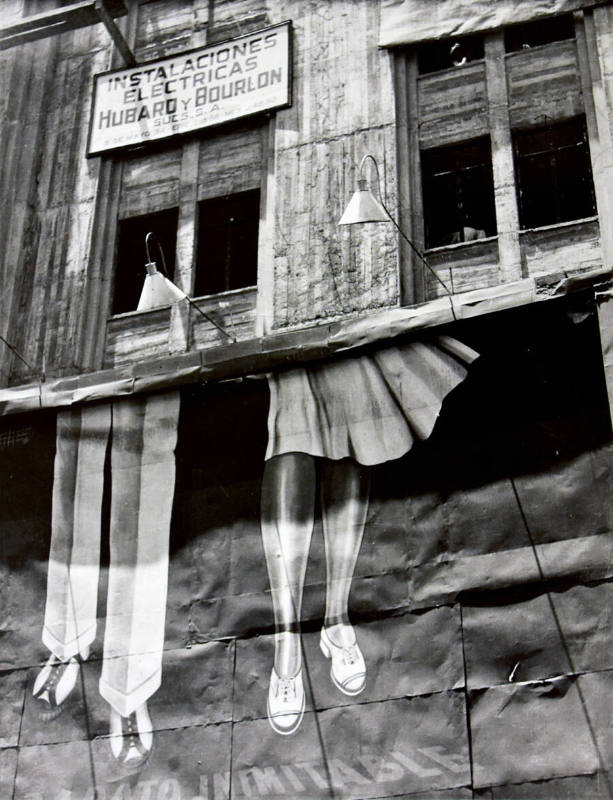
29, 71
166, 27
342, 82
12, 11
464, 267
236, 17
136, 337
51, 303
452, 106
231, 160
150, 182
544, 84
323, 270
50, 189
572, 248
343, 109
235, 313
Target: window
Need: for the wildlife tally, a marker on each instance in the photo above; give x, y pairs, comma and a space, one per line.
447, 53
497, 149
227, 243
533, 34
458, 193
131, 255
554, 178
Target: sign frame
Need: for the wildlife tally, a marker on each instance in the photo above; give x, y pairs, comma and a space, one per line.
94, 150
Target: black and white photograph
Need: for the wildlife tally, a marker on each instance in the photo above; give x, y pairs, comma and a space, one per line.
306, 399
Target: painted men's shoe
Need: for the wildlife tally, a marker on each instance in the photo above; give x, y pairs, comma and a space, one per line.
131, 737
347, 668
53, 685
286, 703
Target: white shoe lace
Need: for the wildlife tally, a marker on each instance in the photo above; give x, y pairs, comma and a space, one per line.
349, 655
286, 689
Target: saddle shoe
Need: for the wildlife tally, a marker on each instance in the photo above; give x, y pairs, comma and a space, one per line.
347, 668
131, 737
286, 703
53, 685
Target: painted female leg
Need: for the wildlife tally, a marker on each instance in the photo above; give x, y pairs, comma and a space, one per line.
345, 487
288, 499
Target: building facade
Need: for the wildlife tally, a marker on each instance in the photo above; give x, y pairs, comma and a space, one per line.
322, 510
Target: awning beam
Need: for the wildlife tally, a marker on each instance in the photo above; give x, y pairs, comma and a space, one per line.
69, 18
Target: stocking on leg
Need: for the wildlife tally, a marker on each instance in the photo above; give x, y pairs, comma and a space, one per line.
288, 497
345, 487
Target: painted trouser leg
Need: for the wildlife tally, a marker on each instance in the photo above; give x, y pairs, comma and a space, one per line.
72, 582
143, 478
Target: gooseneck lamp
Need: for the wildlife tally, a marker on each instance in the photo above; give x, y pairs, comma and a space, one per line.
158, 290
365, 207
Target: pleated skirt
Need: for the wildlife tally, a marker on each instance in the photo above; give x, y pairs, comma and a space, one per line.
370, 407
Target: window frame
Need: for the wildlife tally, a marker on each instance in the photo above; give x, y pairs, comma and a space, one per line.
493, 116
250, 197
524, 202
462, 175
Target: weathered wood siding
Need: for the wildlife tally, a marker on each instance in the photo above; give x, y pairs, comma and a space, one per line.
463, 267
137, 336
47, 199
343, 108
150, 182
452, 106
574, 247
543, 84
60, 210
231, 161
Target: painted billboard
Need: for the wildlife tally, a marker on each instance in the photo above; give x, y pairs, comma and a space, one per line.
381, 575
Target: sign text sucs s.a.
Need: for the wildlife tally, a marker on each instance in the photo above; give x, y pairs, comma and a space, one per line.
180, 94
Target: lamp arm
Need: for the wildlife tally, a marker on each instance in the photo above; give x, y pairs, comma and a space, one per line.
209, 318
189, 300
17, 353
374, 161
415, 249
157, 241
397, 226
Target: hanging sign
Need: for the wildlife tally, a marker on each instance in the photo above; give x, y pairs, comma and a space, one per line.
177, 95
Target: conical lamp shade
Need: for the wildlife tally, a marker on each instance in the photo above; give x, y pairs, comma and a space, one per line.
363, 207
158, 290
